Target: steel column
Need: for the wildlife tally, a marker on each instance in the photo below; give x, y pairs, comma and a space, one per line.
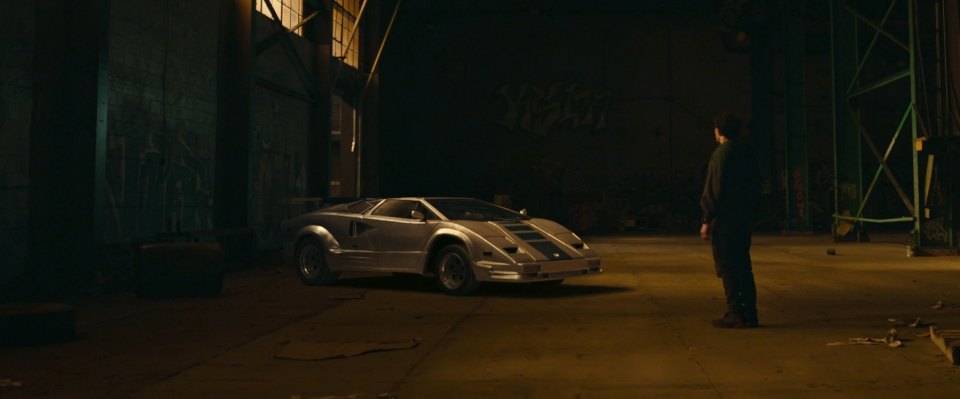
848, 181
850, 108
797, 195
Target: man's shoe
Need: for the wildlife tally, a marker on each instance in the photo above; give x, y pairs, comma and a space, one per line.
750, 318
732, 320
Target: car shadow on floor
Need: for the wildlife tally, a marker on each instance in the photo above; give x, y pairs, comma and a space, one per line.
506, 290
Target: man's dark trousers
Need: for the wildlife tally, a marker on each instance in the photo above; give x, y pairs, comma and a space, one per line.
730, 240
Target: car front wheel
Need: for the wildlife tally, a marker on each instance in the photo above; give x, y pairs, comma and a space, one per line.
455, 271
312, 266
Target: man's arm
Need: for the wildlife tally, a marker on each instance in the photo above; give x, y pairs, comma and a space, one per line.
710, 198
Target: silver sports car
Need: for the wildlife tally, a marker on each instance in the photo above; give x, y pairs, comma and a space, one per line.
460, 242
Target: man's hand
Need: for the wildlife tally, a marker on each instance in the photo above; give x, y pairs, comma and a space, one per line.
705, 231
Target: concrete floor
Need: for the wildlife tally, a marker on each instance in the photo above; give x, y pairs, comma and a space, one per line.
640, 330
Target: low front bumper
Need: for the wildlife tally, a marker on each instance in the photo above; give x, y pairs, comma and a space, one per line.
543, 271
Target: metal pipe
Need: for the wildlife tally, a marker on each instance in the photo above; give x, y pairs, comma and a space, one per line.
376, 60
880, 29
913, 121
876, 35
292, 52
353, 32
882, 82
304, 21
883, 163
870, 220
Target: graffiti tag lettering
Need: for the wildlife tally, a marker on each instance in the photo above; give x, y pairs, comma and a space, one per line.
539, 111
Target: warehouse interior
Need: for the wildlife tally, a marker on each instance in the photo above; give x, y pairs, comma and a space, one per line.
129, 123
125, 121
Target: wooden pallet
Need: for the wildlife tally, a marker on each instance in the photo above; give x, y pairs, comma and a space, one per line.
948, 341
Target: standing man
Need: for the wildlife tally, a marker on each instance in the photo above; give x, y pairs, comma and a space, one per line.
730, 198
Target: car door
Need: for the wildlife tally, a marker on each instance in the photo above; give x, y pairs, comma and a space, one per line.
356, 250
398, 239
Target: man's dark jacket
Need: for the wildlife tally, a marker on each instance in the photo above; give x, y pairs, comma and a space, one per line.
731, 193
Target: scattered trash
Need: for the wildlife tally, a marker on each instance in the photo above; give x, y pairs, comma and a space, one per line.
8, 383
857, 341
345, 297
937, 306
316, 350
914, 324
892, 340
831, 251
922, 334
948, 341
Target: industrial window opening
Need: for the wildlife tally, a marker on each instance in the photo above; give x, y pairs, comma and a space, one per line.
289, 11
344, 17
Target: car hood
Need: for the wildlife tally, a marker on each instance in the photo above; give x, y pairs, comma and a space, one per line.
542, 239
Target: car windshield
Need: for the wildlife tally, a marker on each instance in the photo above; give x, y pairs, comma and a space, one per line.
473, 209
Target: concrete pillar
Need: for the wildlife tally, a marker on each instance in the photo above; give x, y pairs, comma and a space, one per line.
68, 144
234, 133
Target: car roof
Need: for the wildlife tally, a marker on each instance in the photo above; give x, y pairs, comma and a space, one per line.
429, 198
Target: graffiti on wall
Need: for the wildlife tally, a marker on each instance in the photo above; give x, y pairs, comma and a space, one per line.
540, 110
280, 175
799, 194
163, 179
935, 231
848, 191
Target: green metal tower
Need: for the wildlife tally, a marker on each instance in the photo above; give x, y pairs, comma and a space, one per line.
878, 90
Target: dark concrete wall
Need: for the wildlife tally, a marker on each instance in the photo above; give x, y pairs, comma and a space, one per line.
162, 132
16, 105
162, 126
588, 117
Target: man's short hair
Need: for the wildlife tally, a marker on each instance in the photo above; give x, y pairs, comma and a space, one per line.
728, 124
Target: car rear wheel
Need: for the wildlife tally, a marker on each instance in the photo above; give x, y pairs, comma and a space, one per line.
312, 266
455, 271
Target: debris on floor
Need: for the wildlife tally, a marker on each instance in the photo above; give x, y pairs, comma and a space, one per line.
948, 341
941, 304
916, 323
892, 340
831, 251
326, 350
8, 383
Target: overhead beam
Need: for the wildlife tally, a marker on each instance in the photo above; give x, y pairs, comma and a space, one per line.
291, 51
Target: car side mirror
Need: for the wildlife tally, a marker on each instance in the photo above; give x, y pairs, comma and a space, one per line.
523, 212
415, 214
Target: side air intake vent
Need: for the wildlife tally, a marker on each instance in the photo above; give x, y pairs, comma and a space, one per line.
359, 207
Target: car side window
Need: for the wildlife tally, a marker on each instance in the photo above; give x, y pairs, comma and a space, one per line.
396, 208
427, 214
